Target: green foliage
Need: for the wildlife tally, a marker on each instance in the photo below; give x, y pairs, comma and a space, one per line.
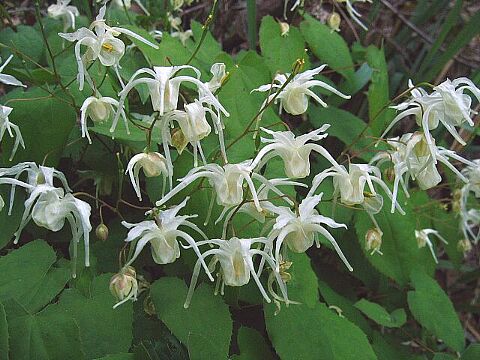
94, 310
252, 345
206, 311
377, 313
426, 302
280, 51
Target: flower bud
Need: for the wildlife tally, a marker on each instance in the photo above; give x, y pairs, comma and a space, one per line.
102, 232
334, 21
124, 285
179, 141
284, 28
373, 241
464, 246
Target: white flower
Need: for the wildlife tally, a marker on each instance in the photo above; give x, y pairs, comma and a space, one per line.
300, 231
164, 84
423, 239
236, 264
473, 175
64, 11
163, 235
447, 105
174, 21
100, 109
294, 97
48, 205
350, 185
411, 157
7, 126
354, 14
153, 164
9, 79
470, 224
101, 44
294, 151
124, 285
218, 76
227, 183
183, 36
263, 191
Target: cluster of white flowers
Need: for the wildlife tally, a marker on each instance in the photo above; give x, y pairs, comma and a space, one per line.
240, 187
415, 155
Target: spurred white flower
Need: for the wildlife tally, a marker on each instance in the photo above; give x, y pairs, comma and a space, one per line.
472, 173
63, 10
227, 183
423, 238
164, 235
48, 205
236, 264
412, 158
294, 151
447, 104
102, 44
7, 126
470, 224
9, 79
294, 96
164, 86
124, 285
351, 187
300, 231
373, 241
100, 109
153, 164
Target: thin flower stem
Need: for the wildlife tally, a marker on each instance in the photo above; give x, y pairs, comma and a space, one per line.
205, 27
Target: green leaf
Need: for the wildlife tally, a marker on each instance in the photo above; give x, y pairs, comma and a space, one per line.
329, 47
48, 335
280, 52
388, 347
432, 308
300, 332
252, 345
344, 305
206, 311
303, 286
103, 330
45, 123
345, 126
472, 352
25, 39
381, 316
123, 356
378, 92
24, 269
3, 333
399, 245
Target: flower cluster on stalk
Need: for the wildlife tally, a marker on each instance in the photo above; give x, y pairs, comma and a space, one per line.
289, 223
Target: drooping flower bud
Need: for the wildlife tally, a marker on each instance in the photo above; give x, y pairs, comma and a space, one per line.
373, 241
124, 285
334, 21
101, 232
464, 246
